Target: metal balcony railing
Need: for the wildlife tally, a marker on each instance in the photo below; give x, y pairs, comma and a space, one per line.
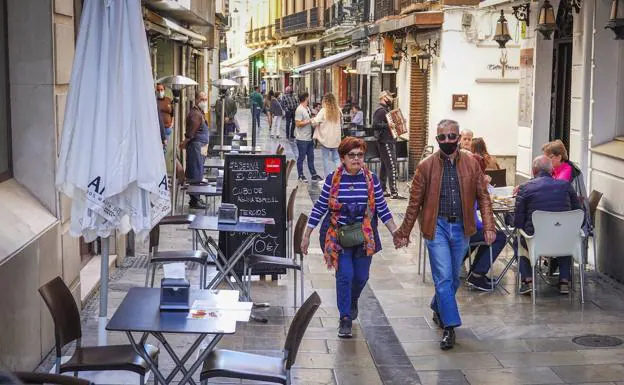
278, 25
262, 34
406, 3
248, 37
300, 21
384, 8
270, 33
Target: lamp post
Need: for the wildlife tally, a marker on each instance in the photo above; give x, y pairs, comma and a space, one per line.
546, 23
616, 19
502, 35
177, 83
223, 85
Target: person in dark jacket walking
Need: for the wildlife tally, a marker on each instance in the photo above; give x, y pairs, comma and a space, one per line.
289, 104
387, 146
545, 193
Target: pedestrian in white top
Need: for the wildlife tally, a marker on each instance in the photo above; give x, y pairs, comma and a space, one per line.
328, 131
303, 134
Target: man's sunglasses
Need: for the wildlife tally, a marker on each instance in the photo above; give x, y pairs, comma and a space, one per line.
443, 137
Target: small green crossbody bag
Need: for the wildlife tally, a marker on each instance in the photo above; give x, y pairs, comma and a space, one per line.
352, 235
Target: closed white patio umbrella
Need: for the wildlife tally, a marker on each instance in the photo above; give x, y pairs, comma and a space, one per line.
111, 162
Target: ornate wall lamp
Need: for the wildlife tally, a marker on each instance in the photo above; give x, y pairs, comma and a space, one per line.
546, 23
426, 52
616, 19
399, 52
502, 35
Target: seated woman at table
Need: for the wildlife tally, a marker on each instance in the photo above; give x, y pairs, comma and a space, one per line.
478, 147
481, 265
351, 195
556, 151
357, 117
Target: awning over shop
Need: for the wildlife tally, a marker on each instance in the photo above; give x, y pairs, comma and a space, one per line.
176, 10
241, 58
420, 20
155, 22
327, 61
234, 71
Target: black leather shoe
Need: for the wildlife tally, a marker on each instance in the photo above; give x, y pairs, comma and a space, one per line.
344, 328
437, 320
448, 339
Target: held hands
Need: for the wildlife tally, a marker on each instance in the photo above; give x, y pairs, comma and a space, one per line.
490, 236
399, 241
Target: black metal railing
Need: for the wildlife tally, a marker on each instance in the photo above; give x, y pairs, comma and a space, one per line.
406, 3
384, 8
278, 27
295, 22
314, 17
248, 37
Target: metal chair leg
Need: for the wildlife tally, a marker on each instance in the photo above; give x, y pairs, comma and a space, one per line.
142, 380
154, 267
419, 253
424, 269
582, 279
302, 279
295, 286
534, 293
491, 268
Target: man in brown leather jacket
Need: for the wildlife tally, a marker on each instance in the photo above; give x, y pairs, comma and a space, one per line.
445, 188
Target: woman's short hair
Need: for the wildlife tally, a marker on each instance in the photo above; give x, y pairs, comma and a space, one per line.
349, 143
556, 148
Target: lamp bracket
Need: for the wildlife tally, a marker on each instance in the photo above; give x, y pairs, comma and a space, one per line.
522, 12
431, 49
576, 4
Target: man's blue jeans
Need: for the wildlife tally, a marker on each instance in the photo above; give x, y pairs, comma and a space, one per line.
446, 253
351, 277
256, 115
306, 150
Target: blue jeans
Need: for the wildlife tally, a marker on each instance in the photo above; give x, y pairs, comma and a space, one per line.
446, 253
306, 150
331, 159
351, 277
256, 115
525, 267
481, 264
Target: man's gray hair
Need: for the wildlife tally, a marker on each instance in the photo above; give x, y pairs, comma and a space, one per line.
542, 163
445, 123
467, 131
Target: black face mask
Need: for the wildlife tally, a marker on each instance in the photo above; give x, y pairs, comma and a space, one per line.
448, 147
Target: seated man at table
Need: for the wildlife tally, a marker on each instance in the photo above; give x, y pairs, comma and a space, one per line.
545, 193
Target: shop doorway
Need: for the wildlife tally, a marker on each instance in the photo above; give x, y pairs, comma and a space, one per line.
561, 95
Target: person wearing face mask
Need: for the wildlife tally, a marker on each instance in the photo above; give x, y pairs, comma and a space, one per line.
165, 109
445, 187
196, 138
387, 146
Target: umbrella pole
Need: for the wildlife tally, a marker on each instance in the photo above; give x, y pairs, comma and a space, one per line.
222, 123
103, 292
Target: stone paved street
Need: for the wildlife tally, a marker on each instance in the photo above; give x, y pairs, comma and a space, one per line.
504, 338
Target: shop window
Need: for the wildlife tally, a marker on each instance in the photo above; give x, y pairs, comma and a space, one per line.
5, 137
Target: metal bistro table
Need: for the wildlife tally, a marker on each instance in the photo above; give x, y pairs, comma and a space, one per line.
225, 267
139, 312
241, 150
500, 211
217, 163
208, 190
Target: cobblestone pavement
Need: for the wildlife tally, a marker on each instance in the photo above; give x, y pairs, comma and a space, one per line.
504, 338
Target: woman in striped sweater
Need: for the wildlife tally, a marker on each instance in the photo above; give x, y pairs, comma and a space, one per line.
351, 195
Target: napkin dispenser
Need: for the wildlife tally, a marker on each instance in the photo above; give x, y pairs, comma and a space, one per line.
174, 294
228, 214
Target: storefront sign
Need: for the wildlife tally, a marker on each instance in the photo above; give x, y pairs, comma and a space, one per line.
525, 107
460, 101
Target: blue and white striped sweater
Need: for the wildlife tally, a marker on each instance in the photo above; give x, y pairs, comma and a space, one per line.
353, 192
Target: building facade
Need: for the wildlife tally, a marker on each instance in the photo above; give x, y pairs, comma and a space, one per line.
572, 90
37, 43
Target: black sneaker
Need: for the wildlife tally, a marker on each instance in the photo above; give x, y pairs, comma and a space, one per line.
303, 179
387, 194
316, 178
438, 320
479, 283
526, 288
448, 339
397, 196
344, 329
354, 309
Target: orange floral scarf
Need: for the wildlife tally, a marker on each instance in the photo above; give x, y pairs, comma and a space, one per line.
332, 247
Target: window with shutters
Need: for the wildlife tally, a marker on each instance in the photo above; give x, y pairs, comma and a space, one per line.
418, 113
383, 8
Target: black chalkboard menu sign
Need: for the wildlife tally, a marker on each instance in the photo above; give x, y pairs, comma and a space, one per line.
256, 184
